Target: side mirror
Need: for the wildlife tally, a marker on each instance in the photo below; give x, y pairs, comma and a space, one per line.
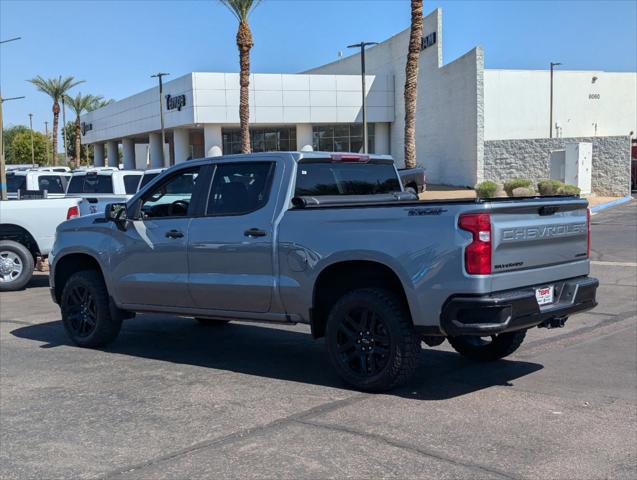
116, 212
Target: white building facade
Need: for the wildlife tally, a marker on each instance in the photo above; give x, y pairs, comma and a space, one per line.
470, 121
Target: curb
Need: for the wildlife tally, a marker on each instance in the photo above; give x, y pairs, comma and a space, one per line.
603, 206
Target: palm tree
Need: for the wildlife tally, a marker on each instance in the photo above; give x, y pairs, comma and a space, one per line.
100, 103
55, 88
241, 9
80, 104
411, 82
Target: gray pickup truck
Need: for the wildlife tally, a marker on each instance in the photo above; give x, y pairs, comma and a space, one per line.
333, 241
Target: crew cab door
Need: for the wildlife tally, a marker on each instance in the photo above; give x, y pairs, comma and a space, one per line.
231, 245
150, 267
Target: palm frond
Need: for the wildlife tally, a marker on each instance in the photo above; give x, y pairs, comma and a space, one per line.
241, 9
55, 88
82, 103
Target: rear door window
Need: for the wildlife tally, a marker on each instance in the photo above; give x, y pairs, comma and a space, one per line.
316, 179
240, 188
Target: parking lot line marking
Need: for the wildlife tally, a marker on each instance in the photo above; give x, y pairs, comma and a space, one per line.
614, 264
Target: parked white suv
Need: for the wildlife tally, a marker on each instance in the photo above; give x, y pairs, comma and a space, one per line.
100, 186
40, 179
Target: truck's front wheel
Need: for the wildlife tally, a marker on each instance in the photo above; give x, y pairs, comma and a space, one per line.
86, 314
371, 340
487, 349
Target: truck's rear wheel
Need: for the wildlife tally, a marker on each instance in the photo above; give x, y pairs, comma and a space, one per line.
16, 265
487, 349
371, 340
86, 314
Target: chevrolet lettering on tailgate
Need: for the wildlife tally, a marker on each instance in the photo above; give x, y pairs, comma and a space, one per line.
543, 231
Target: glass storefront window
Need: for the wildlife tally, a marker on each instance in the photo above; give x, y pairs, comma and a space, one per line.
342, 137
261, 139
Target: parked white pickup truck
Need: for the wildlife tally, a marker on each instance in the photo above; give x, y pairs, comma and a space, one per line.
39, 179
27, 231
101, 186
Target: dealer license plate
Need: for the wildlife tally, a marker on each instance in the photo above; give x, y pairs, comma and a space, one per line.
544, 295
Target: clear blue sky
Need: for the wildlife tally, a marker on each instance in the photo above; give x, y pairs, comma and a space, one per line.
116, 45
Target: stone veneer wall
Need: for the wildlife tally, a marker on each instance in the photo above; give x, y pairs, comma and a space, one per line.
529, 158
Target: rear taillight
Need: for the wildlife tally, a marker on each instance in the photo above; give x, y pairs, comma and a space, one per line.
588, 233
477, 255
72, 212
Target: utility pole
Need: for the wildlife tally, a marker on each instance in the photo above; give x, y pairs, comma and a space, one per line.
553, 64
362, 46
66, 158
161, 113
46, 133
3, 170
32, 148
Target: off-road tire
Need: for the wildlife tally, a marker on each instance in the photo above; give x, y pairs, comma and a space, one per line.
209, 322
106, 322
25, 258
400, 347
501, 346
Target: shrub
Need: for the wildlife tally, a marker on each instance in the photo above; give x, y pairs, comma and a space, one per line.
549, 187
523, 192
511, 185
486, 189
568, 190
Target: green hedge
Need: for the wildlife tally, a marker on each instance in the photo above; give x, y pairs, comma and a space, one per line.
568, 190
486, 189
549, 187
511, 185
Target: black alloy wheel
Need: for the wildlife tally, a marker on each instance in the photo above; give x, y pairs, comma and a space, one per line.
363, 342
371, 340
81, 311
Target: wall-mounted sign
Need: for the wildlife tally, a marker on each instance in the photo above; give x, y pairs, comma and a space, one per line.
175, 102
86, 127
428, 41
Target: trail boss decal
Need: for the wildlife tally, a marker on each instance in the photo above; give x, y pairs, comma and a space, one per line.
417, 212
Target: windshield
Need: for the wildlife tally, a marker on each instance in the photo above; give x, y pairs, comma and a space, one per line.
130, 183
91, 184
346, 179
16, 182
146, 179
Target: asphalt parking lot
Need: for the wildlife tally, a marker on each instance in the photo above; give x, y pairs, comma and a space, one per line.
173, 399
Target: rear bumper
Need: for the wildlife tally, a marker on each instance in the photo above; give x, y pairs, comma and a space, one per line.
517, 309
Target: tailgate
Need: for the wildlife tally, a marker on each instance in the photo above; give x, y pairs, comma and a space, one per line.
532, 234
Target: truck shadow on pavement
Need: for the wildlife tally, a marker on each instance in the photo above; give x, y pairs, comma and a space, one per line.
280, 353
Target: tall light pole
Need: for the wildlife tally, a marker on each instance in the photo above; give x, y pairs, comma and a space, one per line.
66, 158
161, 113
46, 133
553, 64
362, 46
31, 130
3, 170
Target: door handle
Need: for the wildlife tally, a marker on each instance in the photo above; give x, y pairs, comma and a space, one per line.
174, 234
255, 232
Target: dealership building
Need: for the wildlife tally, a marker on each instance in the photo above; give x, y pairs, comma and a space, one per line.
473, 124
